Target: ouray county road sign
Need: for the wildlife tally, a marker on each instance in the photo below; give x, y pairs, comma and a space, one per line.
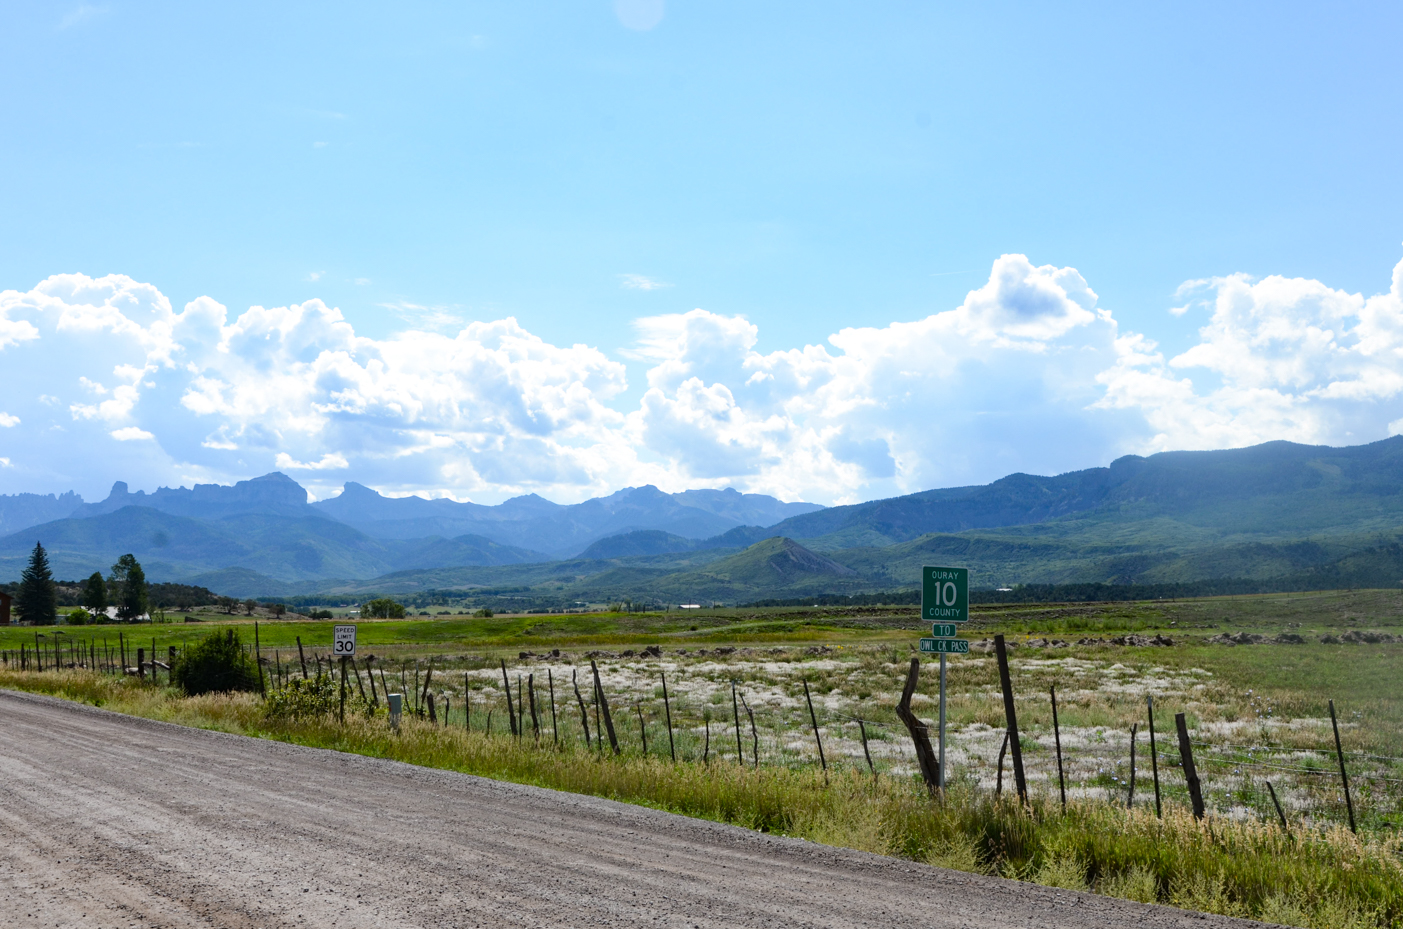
945, 594
946, 646
944, 630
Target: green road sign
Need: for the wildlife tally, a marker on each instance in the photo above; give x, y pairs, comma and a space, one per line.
945, 594
946, 646
944, 630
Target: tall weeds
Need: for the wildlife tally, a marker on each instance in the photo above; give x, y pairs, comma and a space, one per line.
1325, 879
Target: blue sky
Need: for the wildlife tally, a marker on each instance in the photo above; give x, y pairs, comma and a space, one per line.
596, 171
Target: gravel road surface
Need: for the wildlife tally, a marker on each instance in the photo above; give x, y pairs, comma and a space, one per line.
113, 821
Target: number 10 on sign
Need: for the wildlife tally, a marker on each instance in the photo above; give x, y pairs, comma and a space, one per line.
944, 597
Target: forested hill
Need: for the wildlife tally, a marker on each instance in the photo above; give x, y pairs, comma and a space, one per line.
1271, 488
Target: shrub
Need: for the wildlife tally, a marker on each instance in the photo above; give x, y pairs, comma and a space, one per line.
303, 698
217, 663
484, 612
78, 617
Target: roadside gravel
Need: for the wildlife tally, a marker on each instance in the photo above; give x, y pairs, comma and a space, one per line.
113, 821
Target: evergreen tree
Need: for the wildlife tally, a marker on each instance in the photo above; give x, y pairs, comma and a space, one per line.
37, 600
131, 602
95, 594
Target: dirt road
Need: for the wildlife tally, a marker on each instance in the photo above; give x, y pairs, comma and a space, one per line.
110, 821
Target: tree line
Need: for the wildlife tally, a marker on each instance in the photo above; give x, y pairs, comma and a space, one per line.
38, 596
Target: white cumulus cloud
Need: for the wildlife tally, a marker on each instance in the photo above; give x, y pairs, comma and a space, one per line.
1028, 373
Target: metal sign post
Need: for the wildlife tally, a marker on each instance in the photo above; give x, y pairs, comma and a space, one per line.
945, 599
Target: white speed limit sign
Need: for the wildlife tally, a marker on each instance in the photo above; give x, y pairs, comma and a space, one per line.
344, 641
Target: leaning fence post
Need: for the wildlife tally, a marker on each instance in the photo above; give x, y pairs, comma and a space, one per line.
301, 657
925, 755
1344, 778
1186, 751
672, 748
507, 686
999, 782
862, 728
604, 703
584, 713
1057, 741
642, 729
1011, 714
1154, 752
814, 719
754, 735
1279, 814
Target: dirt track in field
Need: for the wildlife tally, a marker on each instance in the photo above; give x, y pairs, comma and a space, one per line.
111, 821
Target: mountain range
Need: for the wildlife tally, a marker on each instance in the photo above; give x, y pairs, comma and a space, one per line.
1295, 513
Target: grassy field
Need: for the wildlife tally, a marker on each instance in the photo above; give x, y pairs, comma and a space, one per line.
1256, 713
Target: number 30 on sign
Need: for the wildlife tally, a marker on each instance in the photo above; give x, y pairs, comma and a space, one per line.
343, 643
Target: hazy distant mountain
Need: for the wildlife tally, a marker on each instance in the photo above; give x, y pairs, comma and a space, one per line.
284, 548
1313, 514
272, 494
532, 522
19, 511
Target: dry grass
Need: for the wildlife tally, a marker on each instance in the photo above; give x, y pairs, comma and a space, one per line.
1321, 878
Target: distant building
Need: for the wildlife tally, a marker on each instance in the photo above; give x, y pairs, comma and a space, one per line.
689, 606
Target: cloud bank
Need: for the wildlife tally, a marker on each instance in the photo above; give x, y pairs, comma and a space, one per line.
102, 380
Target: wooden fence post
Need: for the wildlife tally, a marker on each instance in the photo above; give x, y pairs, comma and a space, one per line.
754, 735
303, 658
604, 703
862, 728
141, 664
1057, 741
257, 660
999, 782
925, 755
735, 711
642, 728
814, 719
507, 686
667, 705
584, 713
1186, 752
1154, 752
1344, 778
531, 695
1130, 798
1011, 715
554, 729
1279, 814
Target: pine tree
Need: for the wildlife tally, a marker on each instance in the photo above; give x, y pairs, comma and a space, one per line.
36, 600
95, 594
132, 601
